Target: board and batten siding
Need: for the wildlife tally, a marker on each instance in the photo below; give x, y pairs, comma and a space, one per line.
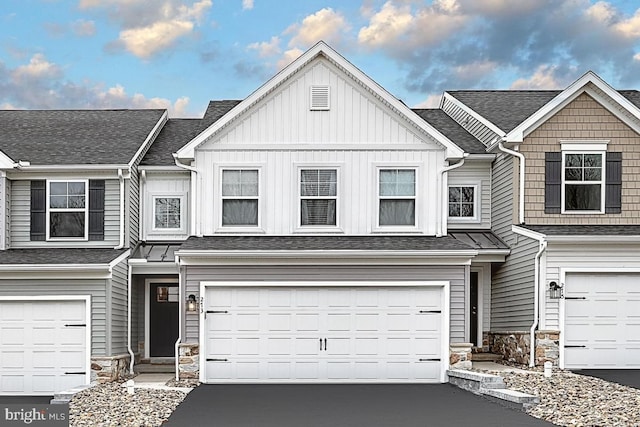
359, 275
117, 288
165, 184
46, 287
468, 122
357, 186
478, 174
21, 217
583, 256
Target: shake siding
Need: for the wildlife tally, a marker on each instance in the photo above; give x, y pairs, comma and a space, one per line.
118, 335
21, 215
95, 288
478, 174
582, 119
467, 121
371, 275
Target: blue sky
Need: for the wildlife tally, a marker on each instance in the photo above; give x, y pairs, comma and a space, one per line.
179, 54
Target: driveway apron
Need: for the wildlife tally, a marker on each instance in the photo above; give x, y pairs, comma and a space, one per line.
350, 405
628, 377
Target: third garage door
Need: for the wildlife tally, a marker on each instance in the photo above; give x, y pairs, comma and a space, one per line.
323, 334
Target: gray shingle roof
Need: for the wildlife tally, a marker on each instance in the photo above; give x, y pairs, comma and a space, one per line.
588, 230
452, 130
59, 256
316, 243
66, 137
178, 132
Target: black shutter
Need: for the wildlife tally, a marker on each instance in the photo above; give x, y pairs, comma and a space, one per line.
96, 209
552, 182
613, 186
38, 210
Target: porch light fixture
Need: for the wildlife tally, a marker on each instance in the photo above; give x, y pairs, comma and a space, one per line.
192, 304
555, 290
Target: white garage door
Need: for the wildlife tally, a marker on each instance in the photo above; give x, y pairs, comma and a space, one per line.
313, 334
602, 321
43, 346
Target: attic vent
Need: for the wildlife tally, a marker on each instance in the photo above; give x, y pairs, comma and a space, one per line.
319, 97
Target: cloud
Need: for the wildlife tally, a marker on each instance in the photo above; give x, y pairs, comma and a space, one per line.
432, 101
82, 28
247, 4
326, 24
543, 78
288, 57
267, 49
41, 84
149, 27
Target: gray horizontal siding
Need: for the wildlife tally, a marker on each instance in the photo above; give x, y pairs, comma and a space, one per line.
21, 217
119, 292
502, 197
95, 288
478, 174
454, 274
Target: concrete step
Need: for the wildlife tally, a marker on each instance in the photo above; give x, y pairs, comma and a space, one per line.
475, 382
513, 398
148, 368
485, 357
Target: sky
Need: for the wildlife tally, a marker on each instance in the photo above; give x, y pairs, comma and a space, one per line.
179, 54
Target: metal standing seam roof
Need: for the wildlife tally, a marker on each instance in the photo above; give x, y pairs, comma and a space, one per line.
75, 137
156, 252
43, 256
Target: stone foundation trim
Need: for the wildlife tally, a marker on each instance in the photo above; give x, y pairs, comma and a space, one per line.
460, 355
188, 361
514, 346
105, 369
547, 347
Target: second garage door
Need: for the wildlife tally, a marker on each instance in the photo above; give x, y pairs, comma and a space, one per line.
323, 334
602, 320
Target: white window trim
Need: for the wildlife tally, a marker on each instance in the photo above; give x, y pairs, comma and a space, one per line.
219, 198
154, 197
476, 210
85, 210
602, 183
416, 198
318, 228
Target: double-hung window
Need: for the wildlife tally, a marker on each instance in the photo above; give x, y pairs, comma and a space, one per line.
397, 197
240, 197
462, 201
67, 211
318, 197
583, 184
167, 213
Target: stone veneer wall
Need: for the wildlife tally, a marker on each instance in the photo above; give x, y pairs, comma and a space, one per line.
460, 355
189, 362
514, 346
105, 369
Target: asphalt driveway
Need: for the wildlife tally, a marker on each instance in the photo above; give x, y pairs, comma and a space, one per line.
628, 377
349, 405
25, 400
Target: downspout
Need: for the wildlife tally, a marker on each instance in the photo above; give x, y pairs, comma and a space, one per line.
520, 156
122, 209
536, 303
129, 302
440, 213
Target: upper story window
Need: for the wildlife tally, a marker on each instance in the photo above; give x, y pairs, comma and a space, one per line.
167, 213
462, 202
318, 197
67, 211
583, 187
240, 197
397, 197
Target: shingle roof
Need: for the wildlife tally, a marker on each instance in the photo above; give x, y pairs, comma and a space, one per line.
65, 137
178, 132
59, 256
452, 130
318, 243
588, 230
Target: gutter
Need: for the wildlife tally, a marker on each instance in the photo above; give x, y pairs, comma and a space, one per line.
520, 156
194, 185
440, 213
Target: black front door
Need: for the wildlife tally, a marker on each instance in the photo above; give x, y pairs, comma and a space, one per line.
473, 305
163, 319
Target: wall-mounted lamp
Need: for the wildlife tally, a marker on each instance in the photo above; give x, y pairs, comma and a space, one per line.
555, 290
192, 304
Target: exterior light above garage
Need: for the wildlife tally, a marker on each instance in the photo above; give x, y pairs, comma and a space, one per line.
555, 290
192, 304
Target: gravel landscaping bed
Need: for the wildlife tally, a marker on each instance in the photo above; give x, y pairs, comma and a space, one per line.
111, 405
568, 399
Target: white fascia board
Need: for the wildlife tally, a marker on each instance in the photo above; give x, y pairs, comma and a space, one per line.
150, 138
569, 94
55, 271
582, 239
489, 157
6, 162
164, 168
119, 259
528, 233
493, 128
321, 48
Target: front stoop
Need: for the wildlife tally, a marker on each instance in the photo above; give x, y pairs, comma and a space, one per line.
492, 387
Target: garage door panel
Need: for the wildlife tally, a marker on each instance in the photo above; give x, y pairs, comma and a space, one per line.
12, 335
330, 334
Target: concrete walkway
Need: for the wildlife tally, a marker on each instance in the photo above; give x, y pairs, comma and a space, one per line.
156, 381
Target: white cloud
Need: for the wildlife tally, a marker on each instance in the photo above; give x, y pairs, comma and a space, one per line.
37, 68
432, 101
288, 57
386, 26
84, 28
247, 4
543, 78
147, 41
326, 24
267, 49
474, 70
630, 27
601, 12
